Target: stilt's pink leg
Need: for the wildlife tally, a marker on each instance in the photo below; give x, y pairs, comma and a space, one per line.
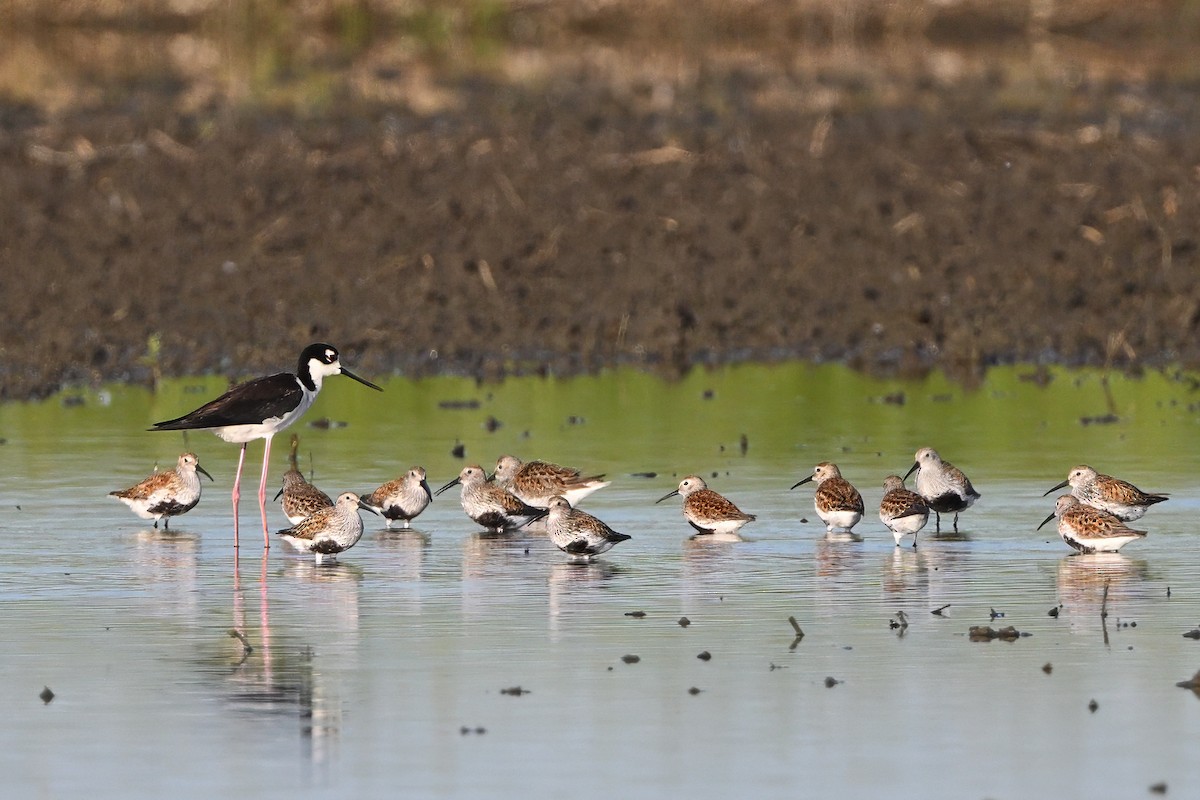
262, 492
237, 483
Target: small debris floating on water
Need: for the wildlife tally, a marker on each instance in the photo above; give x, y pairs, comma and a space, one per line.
684, 622
459, 450
899, 621
631, 659
996, 614
325, 424
1159, 788
458, 405
515, 691
635, 614
775, 666
796, 627
491, 424
479, 730
986, 633
1093, 705
937, 612
704, 655
694, 690
1053, 612
1047, 668
643, 474
46, 695
831, 682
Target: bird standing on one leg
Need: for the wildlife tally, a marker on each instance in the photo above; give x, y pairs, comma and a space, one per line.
166, 494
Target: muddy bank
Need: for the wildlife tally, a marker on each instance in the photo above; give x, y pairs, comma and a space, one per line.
582, 203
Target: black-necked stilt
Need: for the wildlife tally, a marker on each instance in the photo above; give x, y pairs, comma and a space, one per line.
166, 494
261, 408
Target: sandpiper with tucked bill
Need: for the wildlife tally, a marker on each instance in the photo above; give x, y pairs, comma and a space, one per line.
1120, 498
1090, 530
708, 511
945, 487
837, 502
903, 511
166, 494
579, 534
261, 408
535, 482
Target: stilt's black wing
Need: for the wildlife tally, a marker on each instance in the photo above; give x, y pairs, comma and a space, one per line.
245, 404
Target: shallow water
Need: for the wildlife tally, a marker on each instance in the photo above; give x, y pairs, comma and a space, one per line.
361, 677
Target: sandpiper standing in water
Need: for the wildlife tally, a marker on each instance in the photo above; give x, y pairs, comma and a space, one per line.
903, 512
1090, 530
837, 502
1120, 498
577, 533
402, 499
490, 504
329, 531
535, 482
261, 408
300, 498
946, 489
166, 494
706, 510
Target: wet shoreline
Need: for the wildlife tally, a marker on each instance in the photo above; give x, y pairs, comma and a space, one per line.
561, 202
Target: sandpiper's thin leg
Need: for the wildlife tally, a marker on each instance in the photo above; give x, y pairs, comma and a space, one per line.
237, 493
262, 492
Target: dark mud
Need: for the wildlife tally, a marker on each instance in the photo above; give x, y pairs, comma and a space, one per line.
564, 203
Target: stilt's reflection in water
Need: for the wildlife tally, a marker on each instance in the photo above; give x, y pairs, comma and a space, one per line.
278, 680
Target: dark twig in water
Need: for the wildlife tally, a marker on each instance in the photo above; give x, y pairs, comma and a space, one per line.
937, 612
246, 648
799, 633
1104, 602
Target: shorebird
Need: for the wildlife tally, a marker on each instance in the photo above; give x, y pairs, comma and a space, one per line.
535, 482
402, 499
490, 504
300, 498
944, 486
706, 510
328, 531
261, 408
902, 511
166, 494
577, 533
1120, 498
1090, 530
838, 503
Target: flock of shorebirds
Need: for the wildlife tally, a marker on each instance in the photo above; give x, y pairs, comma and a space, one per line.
1090, 519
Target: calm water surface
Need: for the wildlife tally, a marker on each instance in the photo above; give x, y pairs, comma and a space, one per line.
359, 679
